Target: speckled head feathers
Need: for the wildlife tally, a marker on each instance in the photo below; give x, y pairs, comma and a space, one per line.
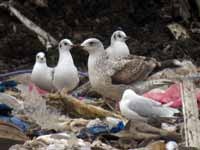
92, 45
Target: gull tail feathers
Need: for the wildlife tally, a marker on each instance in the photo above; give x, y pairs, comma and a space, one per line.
172, 63
168, 112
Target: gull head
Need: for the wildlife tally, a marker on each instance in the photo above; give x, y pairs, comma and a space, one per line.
118, 36
65, 45
92, 45
40, 57
128, 94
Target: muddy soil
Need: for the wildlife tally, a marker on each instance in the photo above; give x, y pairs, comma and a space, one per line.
144, 21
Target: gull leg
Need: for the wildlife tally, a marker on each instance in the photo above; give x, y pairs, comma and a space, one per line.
64, 92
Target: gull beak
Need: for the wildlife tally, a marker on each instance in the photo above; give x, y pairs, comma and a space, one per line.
82, 46
127, 38
76, 46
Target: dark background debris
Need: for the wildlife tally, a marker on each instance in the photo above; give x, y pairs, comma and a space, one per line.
145, 21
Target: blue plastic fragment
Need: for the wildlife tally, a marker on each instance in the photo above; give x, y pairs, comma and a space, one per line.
16, 121
82, 134
7, 84
119, 127
96, 130
5, 118
100, 129
93, 131
21, 124
10, 83
4, 107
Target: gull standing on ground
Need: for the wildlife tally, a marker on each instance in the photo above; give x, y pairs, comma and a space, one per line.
110, 77
136, 107
118, 47
42, 75
66, 73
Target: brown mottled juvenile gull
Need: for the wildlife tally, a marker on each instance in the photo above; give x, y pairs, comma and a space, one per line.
107, 76
136, 107
118, 47
66, 73
42, 75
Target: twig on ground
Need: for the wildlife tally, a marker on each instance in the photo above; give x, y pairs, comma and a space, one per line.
50, 41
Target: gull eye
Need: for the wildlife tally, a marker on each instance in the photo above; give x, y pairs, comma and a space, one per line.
37, 57
91, 43
65, 43
119, 36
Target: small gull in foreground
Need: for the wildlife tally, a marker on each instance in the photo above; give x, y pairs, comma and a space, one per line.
42, 75
136, 107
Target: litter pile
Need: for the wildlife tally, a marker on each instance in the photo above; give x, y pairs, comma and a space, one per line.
31, 118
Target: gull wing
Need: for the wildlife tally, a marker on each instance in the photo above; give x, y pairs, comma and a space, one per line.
144, 106
134, 68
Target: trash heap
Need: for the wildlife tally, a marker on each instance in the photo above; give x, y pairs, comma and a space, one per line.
34, 119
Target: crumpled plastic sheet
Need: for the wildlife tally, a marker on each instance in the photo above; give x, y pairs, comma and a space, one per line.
171, 96
57, 141
5, 115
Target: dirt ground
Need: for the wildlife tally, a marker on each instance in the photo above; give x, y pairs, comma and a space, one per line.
144, 21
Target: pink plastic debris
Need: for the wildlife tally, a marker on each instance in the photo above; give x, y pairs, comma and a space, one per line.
172, 95
177, 103
32, 86
157, 96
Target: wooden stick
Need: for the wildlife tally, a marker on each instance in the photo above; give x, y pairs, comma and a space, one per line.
31, 25
83, 109
191, 114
